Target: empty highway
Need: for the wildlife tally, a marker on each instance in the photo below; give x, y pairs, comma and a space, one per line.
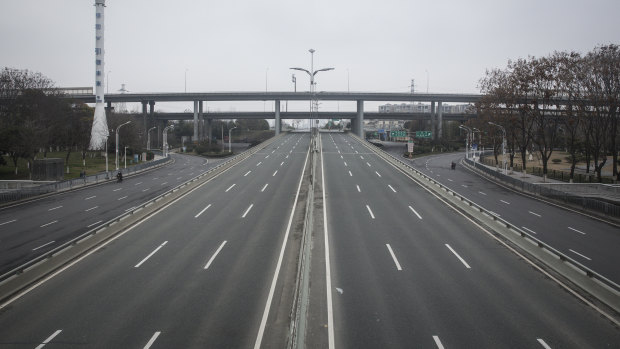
216, 268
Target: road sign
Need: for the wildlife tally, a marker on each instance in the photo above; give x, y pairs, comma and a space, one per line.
381, 131
423, 134
398, 133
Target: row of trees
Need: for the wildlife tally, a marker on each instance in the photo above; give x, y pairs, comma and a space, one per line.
564, 99
33, 118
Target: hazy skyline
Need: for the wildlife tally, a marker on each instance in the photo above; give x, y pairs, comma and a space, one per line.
250, 45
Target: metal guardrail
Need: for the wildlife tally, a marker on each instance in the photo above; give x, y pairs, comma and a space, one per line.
560, 255
588, 203
232, 161
25, 193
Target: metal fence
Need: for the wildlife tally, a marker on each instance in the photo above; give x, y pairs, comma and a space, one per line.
25, 193
588, 203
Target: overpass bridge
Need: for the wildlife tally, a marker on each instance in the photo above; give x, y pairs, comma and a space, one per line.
436, 115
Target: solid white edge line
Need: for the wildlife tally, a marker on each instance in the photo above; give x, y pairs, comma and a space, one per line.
150, 255
394, 257
438, 342
542, 342
215, 255
573, 229
530, 230
579, 254
248, 210
370, 211
328, 276
459, 257
263, 323
414, 211
204, 209
48, 339
152, 340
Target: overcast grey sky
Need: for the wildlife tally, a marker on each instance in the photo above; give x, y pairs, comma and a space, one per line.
233, 45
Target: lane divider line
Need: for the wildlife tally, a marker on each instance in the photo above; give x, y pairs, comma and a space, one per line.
214, 255
48, 339
579, 231
51, 242
248, 210
459, 257
370, 211
264, 187
151, 254
414, 211
204, 209
398, 267
230, 187
438, 342
152, 340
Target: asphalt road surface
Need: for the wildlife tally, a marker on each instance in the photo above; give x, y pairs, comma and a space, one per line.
30, 229
590, 241
406, 271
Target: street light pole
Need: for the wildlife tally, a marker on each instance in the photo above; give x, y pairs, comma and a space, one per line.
165, 146
117, 129
148, 137
312, 73
503, 145
467, 142
479, 141
125, 156
230, 139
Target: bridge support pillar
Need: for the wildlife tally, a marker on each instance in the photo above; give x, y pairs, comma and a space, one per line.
439, 121
195, 138
359, 121
144, 120
278, 124
209, 129
201, 123
433, 133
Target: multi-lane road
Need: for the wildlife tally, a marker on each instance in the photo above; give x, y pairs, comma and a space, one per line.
216, 268
409, 272
34, 227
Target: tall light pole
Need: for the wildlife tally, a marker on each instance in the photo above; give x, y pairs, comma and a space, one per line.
479, 141
148, 137
165, 146
503, 144
230, 139
312, 73
125, 156
467, 143
117, 129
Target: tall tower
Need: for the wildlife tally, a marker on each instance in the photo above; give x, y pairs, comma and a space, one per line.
99, 131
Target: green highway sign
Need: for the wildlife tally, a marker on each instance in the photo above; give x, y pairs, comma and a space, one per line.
398, 133
423, 134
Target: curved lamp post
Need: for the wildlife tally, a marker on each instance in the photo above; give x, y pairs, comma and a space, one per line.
117, 129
